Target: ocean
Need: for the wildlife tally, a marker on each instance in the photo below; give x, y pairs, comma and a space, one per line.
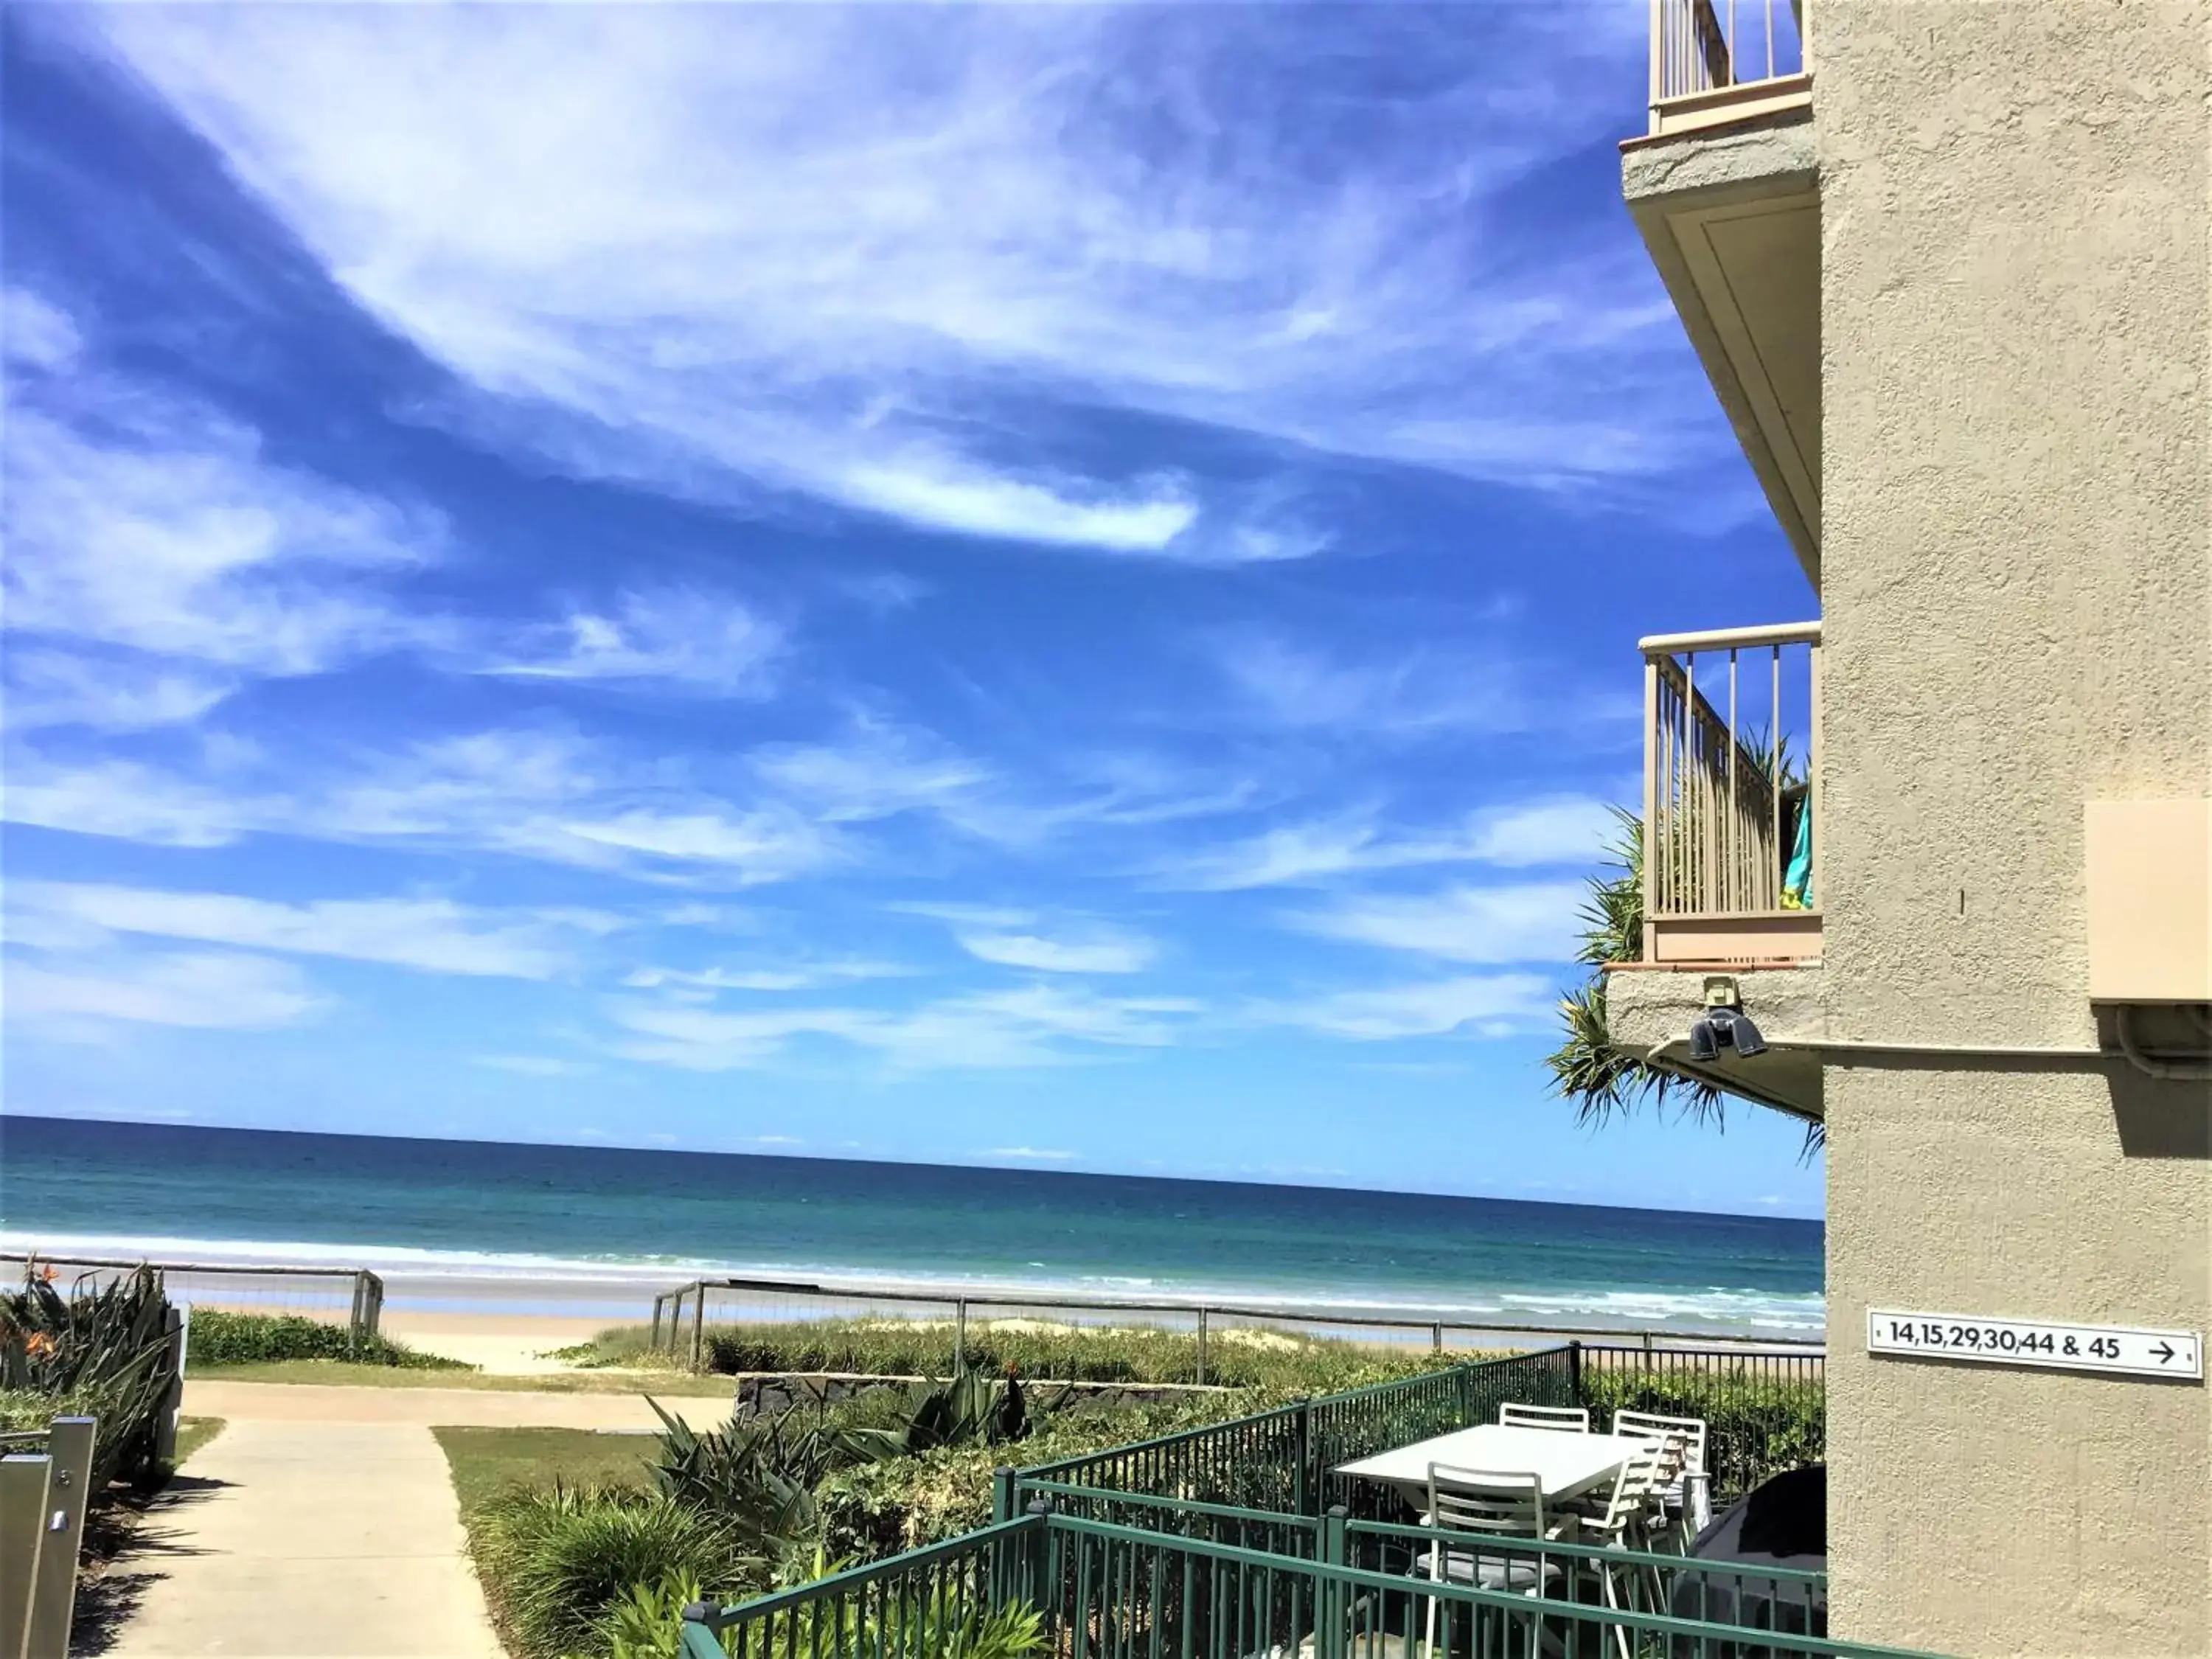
475, 1211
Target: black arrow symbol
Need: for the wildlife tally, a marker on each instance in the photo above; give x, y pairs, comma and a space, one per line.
2164, 1350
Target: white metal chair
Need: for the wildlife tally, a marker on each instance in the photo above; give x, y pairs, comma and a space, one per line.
1620, 1525
1684, 1492
1572, 1419
1505, 1505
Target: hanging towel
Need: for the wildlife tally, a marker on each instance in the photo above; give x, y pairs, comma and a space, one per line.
1797, 874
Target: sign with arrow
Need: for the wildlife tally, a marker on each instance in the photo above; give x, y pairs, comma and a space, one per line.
2127, 1350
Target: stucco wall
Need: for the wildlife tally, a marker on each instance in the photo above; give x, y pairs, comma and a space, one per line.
2018, 617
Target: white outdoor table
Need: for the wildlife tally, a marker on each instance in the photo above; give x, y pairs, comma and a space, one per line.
1565, 1464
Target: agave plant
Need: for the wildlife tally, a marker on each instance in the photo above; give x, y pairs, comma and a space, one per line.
101, 1349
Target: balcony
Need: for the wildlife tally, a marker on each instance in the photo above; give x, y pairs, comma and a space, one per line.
1719, 63
1724, 189
1731, 864
1732, 858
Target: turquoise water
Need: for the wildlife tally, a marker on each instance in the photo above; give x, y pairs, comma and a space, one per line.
472, 1209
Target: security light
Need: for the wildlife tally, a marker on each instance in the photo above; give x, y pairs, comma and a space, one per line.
1725, 1028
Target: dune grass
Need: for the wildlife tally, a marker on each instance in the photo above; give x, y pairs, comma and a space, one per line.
1236, 1357
220, 1337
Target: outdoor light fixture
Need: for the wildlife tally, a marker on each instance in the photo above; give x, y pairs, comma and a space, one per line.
1725, 1025
1725, 1028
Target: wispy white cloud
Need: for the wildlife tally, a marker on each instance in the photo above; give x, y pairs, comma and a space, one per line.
1489, 1005
1570, 829
802, 975
706, 642
35, 333
141, 519
1280, 683
203, 989
1111, 951
433, 935
47, 687
1527, 921
1028, 1154
843, 252
1031, 1026
532, 1065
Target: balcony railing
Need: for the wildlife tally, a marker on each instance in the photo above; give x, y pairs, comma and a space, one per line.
1717, 62
1731, 819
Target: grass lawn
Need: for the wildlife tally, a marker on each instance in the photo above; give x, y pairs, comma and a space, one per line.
193, 1433
487, 1462
393, 1376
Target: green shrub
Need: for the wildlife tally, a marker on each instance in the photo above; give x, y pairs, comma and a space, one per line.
216, 1338
1755, 1427
98, 1350
556, 1565
1236, 1357
875, 1509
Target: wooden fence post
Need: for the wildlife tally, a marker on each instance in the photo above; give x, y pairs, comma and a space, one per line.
1202, 1345
699, 1325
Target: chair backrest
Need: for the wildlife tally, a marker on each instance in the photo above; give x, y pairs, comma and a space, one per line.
1499, 1502
1632, 1489
1573, 1419
1684, 1437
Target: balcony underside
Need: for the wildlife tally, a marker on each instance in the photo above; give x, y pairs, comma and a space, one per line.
1731, 214
1651, 1006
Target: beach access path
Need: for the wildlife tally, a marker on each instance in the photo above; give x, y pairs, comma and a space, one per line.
321, 1523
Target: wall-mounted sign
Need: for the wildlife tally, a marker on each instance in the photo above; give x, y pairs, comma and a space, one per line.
2123, 1348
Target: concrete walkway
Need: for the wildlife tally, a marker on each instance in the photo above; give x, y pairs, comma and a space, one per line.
321, 1524
295, 1539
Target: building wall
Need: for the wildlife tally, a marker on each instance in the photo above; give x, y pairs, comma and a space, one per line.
2017, 592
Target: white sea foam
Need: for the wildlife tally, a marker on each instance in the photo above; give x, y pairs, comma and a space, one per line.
426, 1277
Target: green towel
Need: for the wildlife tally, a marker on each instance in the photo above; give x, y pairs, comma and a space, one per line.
1797, 874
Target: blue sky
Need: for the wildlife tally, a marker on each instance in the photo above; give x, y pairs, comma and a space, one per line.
1039, 586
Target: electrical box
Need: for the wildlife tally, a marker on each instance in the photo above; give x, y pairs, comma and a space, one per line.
2151, 900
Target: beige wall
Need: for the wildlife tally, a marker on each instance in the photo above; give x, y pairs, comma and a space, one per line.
2015, 542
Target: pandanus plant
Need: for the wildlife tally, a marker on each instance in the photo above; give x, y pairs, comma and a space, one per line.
99, 1349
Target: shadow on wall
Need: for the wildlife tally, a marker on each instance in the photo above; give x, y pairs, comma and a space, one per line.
2161, 1117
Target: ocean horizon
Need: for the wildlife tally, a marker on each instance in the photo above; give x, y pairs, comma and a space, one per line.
629, 1221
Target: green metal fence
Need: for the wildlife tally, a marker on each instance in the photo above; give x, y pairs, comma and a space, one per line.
1285, 1460
1103, 1590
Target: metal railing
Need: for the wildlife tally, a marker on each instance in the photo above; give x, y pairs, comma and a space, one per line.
1701, 47
45, 1486
353, 1297
1764, 1413
1285, 1460
690, 1318
1102, 1590
1731, 795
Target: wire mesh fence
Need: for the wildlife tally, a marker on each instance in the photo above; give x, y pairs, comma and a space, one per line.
349, 1297
764, 1325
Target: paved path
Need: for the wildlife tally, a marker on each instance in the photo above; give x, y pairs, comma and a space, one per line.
296, 1539
320, 1523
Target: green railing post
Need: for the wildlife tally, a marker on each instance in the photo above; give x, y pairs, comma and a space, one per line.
1036, 1564
1575, 1370
1330, 1634
1003, 1481
1307, 1490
